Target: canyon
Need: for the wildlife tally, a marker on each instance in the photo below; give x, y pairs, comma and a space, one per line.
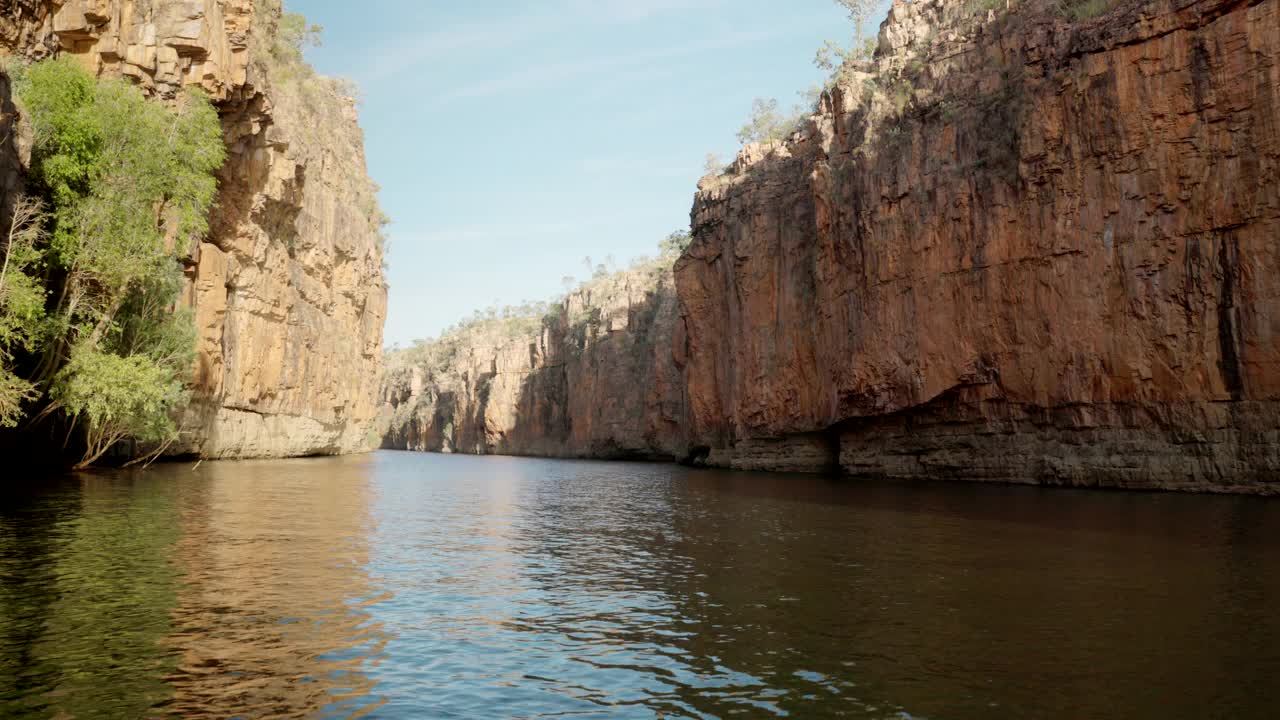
1025, 242
287, 288
595, 377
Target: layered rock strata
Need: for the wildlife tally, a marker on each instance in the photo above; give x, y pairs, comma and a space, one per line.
288, 287
595, 377
1013, 247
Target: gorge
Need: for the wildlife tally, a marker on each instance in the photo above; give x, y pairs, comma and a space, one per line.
1020, 244
1027, 242
837, 449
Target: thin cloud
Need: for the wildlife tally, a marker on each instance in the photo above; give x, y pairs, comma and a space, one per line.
500, 33
558, 73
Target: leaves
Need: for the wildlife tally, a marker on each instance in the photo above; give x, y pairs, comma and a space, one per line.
675, 244
859, 11
22, 299
118, 397
128, 183
767, 123
14, 392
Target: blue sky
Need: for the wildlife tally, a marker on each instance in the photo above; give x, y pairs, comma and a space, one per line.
512, 140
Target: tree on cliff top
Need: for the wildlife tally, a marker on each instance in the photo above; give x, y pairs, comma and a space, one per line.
293, 36
859, 12
675, 244
129, 183
767, 123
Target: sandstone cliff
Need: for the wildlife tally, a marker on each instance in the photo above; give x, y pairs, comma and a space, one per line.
594, 377
288, 287
1013, 247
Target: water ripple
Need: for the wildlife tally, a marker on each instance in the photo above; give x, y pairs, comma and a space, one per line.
415, 586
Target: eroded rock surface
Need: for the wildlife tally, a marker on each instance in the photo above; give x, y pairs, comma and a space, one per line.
288, 287
1012, 248
595, 378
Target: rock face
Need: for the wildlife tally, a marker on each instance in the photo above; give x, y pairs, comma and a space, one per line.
162, 44
1011, 248
1034, 243
595, 378
288, 287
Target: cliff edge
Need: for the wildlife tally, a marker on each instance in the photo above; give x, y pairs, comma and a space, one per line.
1015, 246
288, 287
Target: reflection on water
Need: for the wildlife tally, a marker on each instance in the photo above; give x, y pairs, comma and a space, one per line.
419, 586
272, 617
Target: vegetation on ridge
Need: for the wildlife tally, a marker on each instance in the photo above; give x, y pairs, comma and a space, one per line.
280, 43
768, 123
514, 321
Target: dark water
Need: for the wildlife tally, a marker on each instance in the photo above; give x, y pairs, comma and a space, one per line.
419, 586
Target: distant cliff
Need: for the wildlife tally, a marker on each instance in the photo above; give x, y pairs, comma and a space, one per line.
1029, 242
1016, 246
288, 287
593, 377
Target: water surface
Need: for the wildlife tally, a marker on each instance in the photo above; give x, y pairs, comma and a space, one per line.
402, 585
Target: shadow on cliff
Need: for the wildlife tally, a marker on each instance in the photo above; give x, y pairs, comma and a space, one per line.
595, 390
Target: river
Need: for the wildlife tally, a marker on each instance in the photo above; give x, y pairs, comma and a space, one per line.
402, 585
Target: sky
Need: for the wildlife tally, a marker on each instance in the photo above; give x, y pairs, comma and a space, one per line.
512, 140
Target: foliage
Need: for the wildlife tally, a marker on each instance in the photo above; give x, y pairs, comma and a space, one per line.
840, 61
129, 183
986, 6
859, 12
283, 52
281, 39
830, 56
280, 42
293, 36
123, 175
713, 165
118, 398
676, 243
22, 299
14, 391
578, 307
767, 123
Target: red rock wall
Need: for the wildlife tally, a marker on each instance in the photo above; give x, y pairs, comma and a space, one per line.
593, 379
1033, 251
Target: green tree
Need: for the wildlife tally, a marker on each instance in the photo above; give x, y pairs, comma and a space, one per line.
22, 299
830, 56
859, 12
676, 243
712, 165
767, 123
129, 184
294, 35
